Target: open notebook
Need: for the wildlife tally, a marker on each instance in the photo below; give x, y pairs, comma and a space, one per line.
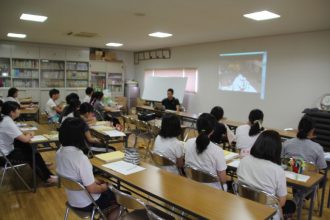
111, 156
230, 155
124, 167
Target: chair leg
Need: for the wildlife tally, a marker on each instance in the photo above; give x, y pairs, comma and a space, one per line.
66, 213
20, 177
93, 213
3, 174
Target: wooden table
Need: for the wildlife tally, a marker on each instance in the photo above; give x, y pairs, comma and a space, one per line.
305, 188
30, 113
42, 129
199, 200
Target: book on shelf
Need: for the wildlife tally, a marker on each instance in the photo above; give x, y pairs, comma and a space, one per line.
21, 63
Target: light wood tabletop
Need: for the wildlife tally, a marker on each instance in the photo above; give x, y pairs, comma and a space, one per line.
32, 110
202, 200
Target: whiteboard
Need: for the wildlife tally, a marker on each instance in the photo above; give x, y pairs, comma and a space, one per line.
155, 88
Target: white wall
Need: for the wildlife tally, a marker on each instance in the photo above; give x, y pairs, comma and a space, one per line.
298, 73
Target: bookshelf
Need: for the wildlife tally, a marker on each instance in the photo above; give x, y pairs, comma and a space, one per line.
115, 84
77, 74
25, 73
5, 72
52, 73
98, 80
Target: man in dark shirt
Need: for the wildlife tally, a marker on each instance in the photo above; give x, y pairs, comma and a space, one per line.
171, 103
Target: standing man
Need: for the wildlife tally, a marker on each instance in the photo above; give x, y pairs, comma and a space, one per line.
171, 103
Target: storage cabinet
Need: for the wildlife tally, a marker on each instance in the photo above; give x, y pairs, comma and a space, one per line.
77, 74
78, 54
52, 74
25, 73
52, 53
5, 50
5, 80
27, 52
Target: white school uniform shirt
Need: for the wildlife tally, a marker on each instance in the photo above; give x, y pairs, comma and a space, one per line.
87, 99
71, 162
8, 132
263, 175
70, 115
49, 108
12, 99
244, 141
211, 160
171, 148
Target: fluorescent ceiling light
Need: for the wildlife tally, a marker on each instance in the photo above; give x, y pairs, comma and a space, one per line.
160, 34
36, 18
114, 44
16, 35
262, 15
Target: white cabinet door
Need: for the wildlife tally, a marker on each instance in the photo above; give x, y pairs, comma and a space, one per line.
77, 54
44, 96
27, 52
52, 53
114, 67
98, 66
5, 50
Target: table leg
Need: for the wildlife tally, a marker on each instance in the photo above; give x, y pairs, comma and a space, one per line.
300, 198
311, 206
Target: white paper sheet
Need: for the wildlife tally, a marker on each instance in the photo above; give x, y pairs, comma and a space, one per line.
114, 133
296, 176
38, 138
231, 155
124, 167
29, 129
327, 156
234, 163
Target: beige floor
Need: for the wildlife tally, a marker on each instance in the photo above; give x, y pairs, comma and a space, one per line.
48, 202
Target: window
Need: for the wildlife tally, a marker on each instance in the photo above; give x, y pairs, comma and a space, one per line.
190, 73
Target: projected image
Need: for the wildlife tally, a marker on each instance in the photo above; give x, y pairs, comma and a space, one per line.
243, 72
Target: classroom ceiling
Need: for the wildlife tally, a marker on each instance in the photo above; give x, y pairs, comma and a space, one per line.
130, 21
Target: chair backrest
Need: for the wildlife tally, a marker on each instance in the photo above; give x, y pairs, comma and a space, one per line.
126, 200
161, 160
199, 175
255, 194
142, 125
153, 216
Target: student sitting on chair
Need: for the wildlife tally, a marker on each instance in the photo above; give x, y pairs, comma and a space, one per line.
72, 163
89, 92
167, 143
202, 154
71, 110
303, 147
171, 103
53, 110
12, 96
15, 145
262, 169
102, 109
86, 111
247, 134
219, 130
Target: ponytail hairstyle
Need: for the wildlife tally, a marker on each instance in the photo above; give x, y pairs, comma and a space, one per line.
217, 112
7, 108
256, 118
96, 96
72, 107
70, 97
72, 133
306, 124
205, 125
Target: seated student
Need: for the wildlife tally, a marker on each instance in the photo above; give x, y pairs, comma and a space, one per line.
262, 169
72, 163
101, 109
217, 112
167, 143
89, 92
201, 153
171, 103
71, 110
303, 147
53, 110
247, 134
86, 111
15, 145
12, 95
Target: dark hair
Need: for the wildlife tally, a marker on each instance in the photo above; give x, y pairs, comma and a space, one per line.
72, 133
96, 96
85, 108
170, 127
73, 106
306, 124
256, 117
12, 91
171, 90
71, 96
8, 107
53, 92
205, 125
217, 112
89, 90
268, 146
